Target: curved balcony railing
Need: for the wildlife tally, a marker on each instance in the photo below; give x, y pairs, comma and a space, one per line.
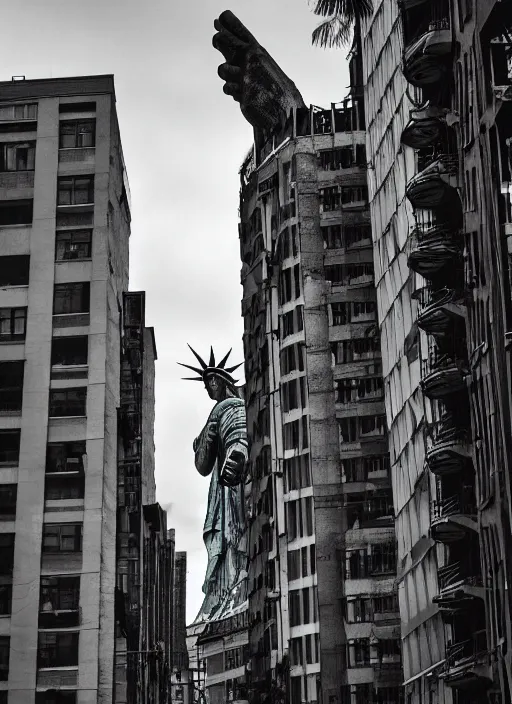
455, 574
457, 505
472, 648
439, 308
448, 450
424, 61
432, 249
436, 184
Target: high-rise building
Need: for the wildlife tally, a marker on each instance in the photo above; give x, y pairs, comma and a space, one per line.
323, 612
76, 377
438, 82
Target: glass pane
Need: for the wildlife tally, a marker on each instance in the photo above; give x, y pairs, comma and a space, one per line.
65, 192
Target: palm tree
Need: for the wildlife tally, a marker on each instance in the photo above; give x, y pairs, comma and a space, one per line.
341, 16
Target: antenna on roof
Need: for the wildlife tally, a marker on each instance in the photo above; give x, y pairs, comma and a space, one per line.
17, 78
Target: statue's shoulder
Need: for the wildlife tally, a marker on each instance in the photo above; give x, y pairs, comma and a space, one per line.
229, 403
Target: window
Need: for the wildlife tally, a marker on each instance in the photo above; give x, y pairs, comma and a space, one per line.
297, 473
71, 298
383, 558
334, 159
13, 324
332, 237
16, 212
56, 696
373, 426
293, 565
62, 537
5, 599
65, 457
6, 553
68, 351
59, 594
57, 650
359, 650
296, 651
9, 447
4, 658
357, 235
11, 386
17, 157
68, 402
23, 111
294, 607
8, 493
76, 134
65, 485
14, 270
330, 198
340, 313
75, 190
73, 244
354, 194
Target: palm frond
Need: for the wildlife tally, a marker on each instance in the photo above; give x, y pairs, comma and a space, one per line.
333, 32
348, 9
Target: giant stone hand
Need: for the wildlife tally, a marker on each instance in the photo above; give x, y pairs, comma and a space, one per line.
252, 77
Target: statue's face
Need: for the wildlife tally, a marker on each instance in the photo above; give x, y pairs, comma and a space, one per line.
215, 388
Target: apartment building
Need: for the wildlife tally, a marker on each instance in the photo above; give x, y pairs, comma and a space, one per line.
67, 429
323, 611
437, 91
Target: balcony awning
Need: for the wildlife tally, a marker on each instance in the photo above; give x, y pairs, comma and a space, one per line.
385, 632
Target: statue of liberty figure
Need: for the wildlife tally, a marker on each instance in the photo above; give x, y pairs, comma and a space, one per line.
221, 450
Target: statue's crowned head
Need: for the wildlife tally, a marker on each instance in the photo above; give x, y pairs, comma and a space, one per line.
216, 376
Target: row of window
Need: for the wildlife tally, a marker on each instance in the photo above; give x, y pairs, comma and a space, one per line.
348, 236
302, 606
295, 434
360, 428
350, 274
299, 518
292, 358
61, 457
293, 394
62, 402
365, 609
57, 538
21, 156
289, 286
369, 693
359, 389
355, 350
359, 652
301, 562
362, 469
334, 197
68, 298
292, 322
304, 650
353, 312
342, 157
297, 472
378, 559
362, 508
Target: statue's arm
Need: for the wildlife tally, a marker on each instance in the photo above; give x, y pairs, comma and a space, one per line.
205, 448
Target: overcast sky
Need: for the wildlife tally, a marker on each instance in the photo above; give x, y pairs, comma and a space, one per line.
183, 142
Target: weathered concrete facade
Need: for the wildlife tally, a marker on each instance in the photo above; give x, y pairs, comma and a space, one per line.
323, 615
64, 232
437, 84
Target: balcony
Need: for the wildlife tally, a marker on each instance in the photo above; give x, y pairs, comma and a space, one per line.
426, 128
440, 309
433, 249
459, 588
449, 451
425, 58
453, 518
436, 185
444, 377
467, 664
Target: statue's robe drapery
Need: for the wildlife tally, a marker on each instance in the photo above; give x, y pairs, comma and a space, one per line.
224, 527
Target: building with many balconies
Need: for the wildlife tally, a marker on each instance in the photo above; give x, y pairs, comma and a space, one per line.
437, 93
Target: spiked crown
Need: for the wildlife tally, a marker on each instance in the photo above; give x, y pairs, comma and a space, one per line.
212, 368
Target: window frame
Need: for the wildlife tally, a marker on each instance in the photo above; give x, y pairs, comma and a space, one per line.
80, 402
72, 190
82, 289
61, 239
58, 534
76, 123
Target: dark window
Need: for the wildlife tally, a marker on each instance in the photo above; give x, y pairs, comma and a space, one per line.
4, 658
69, 350
77, 134
75, 190
16, 212
330, 198
73, 244
68, 402
14, 270
294, 607
5, 599
55, 696
13, 324
57, 650
71, 298
8, 493
17, 157
59, 594
65, 485
23, 111
65, 457
9, 447
11, 386
6, 553
62, 537
360, 651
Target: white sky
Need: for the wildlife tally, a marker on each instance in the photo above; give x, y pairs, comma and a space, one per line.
183, 142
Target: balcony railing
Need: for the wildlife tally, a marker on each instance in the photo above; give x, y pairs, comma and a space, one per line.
444, 431
456, 505
469, 649
457, 573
